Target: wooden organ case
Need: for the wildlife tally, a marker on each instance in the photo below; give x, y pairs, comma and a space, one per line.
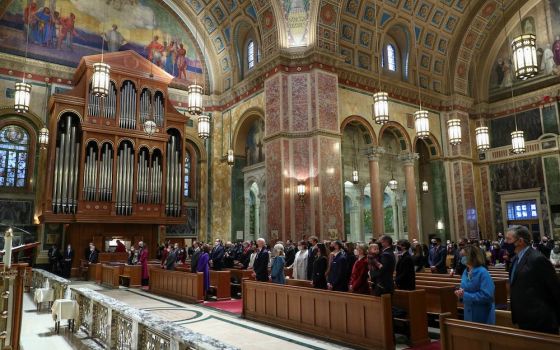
102, 167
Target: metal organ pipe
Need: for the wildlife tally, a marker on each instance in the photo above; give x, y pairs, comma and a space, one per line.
66, 170
173, 178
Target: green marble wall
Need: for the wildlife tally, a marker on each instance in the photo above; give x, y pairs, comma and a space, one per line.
552, 173
550, 120
438, 189
237, 198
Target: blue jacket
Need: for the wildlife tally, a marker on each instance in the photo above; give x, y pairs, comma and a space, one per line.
337, 273
478, 298
277, 270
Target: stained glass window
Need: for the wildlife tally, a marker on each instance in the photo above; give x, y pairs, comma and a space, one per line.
187, 183
522, 210
391, 58
14, 148
251, 54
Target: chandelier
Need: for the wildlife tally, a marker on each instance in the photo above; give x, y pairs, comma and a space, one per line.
22, 97
422, 124
43, 138
204, 126
517, 142
380, 98
101, 80
454, 131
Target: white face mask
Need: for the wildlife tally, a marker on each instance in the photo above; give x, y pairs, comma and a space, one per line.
356, 252
300, 247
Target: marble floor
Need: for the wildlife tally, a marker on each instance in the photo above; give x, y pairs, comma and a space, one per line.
38, 327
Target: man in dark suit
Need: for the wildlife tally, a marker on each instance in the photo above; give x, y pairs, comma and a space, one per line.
93, 254
217, 255
171, 257
437, 256
195, 255
260, 266
54, 259
311, 253
338, 279
405, 277
534, 285
387, 267
68, 257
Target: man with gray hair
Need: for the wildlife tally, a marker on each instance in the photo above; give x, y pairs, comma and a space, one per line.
260, 266
534, 285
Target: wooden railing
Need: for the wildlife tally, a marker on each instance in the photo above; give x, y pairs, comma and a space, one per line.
463, 335
361, 321
184, 286
118, 326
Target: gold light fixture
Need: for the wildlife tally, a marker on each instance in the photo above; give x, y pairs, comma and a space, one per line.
301, 191
22, 96
194, 97
230, 157
43, 138
454, 131
393, 184
482, 138
204, 126
380, 98
421, 120
524, 48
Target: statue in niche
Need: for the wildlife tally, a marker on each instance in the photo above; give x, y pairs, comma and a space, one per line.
254, 144
556, 50
547, 65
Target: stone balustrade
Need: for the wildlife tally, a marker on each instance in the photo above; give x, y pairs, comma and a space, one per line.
119, 326
59, 284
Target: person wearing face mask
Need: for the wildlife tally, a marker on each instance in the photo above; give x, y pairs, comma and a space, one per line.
299, 266
544, 247
68, 257
437, 257
338, 280
555, 255
93, 254
359, 278
405, 277
477, 289
311, 255
534, 286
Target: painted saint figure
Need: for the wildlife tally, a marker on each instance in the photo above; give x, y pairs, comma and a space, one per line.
114, 39
556, 50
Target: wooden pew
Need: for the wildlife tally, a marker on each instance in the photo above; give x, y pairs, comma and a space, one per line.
503, 318
237, 275
220, 282
183, 286
112, 257
439, 300
463, 335
134, 273
500, 291
111, 274
413, 302
361, 321
95, 272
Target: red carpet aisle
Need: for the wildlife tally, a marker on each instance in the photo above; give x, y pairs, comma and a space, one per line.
432, 346
234, 306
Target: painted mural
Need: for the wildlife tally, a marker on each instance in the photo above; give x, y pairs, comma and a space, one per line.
296, 16
548, 46
62, 31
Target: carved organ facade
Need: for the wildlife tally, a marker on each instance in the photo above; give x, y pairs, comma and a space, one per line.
102, 167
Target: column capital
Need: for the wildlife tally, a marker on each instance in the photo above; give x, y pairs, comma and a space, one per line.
375, 152
408, 158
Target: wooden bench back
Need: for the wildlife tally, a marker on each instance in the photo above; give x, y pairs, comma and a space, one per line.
462, 335
221, 281
183, 286
362, 321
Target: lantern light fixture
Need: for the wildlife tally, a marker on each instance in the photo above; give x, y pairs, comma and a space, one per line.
22, 97
43, 138
393, 184
230, 157
517, 142
524, 49
101, 80
422, 124
482, 138
194, 96
204, 126
454, 131
381, 107
355, 177
425, 187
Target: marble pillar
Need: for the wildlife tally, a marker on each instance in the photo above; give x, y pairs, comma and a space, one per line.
302, 142
376, 190
409, 161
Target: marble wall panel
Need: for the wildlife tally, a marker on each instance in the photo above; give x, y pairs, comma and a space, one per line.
486, 201
470, 200
285, 104
288, 184
313, 83
272, 105
274, 184
315, 229
459, 208
300, 102
327, 91
300, 149
330, 186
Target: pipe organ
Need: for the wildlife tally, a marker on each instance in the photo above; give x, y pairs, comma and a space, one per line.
103, 167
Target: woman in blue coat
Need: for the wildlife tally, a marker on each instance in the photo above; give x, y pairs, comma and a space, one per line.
278, 263
477, 289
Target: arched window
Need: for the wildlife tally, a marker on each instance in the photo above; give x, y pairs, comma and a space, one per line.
14, 149
391, 58
251, 54
187, 180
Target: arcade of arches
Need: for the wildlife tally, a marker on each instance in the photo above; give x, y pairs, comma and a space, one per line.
288, 86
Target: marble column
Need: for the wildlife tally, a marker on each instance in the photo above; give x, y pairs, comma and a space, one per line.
302, 143
408, 161
376, 190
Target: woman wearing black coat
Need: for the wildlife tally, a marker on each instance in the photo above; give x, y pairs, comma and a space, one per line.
320, 266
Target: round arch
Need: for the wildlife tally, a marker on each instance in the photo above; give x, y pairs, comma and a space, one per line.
361, 121
399, 132
431, 143
242, 128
